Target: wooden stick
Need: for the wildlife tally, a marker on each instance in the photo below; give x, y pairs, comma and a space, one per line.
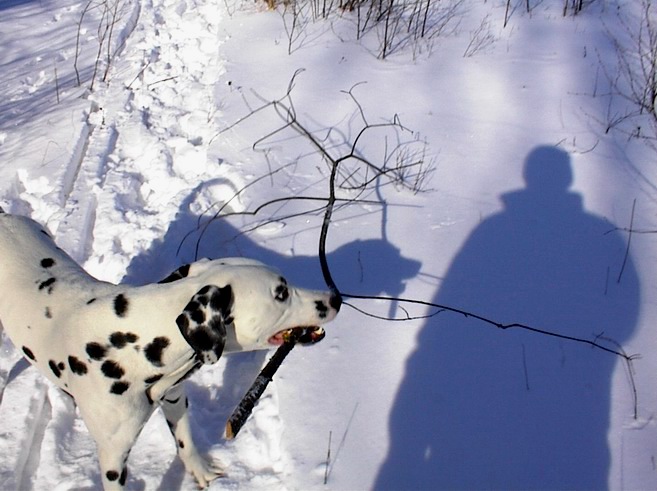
307, 335
246, 405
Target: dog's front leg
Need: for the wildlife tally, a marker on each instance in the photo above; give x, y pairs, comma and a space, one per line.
174, 404
114, 425
113, 466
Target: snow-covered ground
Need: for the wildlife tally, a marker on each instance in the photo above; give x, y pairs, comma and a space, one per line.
128, 175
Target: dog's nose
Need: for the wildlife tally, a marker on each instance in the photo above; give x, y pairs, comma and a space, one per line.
336, 301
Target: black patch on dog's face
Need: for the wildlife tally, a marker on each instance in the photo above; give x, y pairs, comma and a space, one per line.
120, 339
119, 388
282, 293
77, 367
178, 274
155, 349
121, 305
96, 351
112, 369
47, 262
203, 321
28, 353
321, 308
47, 285
48, 313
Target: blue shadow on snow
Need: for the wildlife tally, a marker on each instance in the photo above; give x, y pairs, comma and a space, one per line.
368, 266
482, 408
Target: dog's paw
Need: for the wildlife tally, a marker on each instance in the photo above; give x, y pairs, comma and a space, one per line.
204, 471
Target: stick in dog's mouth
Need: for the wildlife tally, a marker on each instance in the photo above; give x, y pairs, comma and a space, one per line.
301, 335
286, 340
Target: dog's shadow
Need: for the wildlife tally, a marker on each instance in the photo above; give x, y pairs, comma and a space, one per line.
367, 267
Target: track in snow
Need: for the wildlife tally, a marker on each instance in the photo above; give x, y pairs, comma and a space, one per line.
142, 154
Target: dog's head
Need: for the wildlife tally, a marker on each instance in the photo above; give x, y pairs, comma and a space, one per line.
247, 306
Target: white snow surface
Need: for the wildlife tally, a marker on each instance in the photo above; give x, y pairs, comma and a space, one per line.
127, 175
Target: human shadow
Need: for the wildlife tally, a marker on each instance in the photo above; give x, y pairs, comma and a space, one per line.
482, 408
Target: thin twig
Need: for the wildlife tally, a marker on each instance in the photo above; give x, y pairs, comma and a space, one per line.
328, 459
445, 308
629, 241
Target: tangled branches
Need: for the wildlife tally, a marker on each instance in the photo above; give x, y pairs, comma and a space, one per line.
352, 177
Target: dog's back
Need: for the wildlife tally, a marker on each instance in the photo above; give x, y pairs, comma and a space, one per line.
27, 251
40, 284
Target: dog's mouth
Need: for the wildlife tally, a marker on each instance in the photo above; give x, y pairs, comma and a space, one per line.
302, 335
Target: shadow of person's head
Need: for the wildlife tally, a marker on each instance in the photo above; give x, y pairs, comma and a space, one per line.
548, 169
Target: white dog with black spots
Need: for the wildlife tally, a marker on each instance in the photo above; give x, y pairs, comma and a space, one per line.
122, 351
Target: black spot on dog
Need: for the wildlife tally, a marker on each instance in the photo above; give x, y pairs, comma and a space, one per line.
90, 301
112, 475
222, 300
181, 444
178, 274
121, 305
120, 339
111, 369
48, 313
321, 308
119, 387
28, 353
198, 316
201, 340
183, 322
124, 476
281, 293
153, 379
77, 367
204, 320
47, 262
155, 349
96, 351
47, 285
55, 369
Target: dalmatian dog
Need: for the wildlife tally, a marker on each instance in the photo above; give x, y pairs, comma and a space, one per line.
122, 351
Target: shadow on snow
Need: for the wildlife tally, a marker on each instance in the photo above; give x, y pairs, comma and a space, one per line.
371, 266
481, 408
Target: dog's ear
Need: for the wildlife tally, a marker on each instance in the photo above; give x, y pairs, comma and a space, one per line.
205, 318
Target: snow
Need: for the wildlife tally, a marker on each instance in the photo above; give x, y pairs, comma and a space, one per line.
127, 176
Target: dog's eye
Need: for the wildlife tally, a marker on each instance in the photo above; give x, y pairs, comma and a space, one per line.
281, 293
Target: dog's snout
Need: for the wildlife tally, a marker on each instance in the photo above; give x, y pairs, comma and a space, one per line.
336, 301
